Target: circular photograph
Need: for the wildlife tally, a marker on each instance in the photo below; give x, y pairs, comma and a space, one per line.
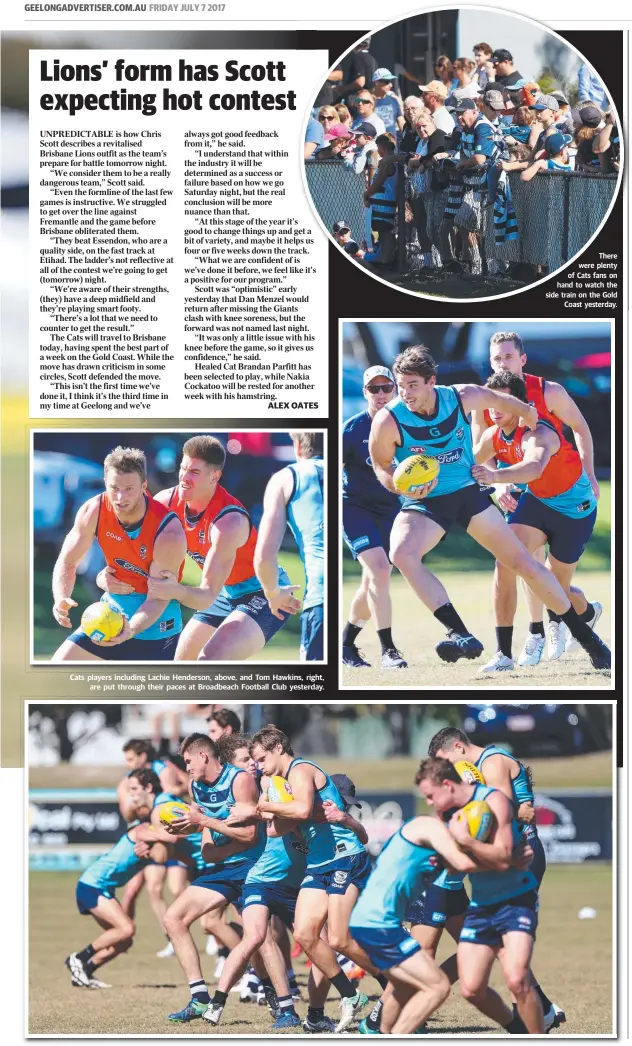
462, 153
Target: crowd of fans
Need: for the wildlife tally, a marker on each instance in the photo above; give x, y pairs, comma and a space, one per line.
456, 137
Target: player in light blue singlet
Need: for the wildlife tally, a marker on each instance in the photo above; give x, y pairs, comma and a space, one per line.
503, 771
435, 420
97, 886
294, 497
411, 860
337, 863
229, 851
503, 909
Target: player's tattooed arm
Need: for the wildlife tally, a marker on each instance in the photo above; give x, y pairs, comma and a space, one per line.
271, 530
560, 403
302, 780
76, 544
228, 534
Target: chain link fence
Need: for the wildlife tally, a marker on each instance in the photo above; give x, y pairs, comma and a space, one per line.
557, 214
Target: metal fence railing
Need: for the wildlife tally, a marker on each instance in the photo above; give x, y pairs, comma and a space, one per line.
557, 212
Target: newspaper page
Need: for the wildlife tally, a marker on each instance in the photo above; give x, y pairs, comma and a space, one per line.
314, 366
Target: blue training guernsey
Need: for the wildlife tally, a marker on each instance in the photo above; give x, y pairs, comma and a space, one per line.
284, 861
306, 519
402, 871
360, 485
216, 799
494, 887
520, 784
116, 867
326, 842
444, 435
450, 880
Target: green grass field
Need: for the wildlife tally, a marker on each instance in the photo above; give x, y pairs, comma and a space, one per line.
573, 962
416, 632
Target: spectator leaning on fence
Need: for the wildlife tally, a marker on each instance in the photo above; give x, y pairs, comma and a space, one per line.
381, 195
434, 95
337, 140
590, 88
556, 159
546, 108
364, 156
607, 144
387, 105
314, 138
366, 112
564, 121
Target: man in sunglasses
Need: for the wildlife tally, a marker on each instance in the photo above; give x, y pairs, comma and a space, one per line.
504, 71
367, 114
368, 511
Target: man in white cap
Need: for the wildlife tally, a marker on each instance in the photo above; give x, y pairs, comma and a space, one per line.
368, 511
387, 105
434, 95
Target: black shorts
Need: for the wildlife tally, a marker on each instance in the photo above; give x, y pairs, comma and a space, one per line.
567, 535
363, 530
448, 509
132, 650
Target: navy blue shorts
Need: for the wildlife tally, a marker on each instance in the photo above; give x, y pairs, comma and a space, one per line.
567, 537
88, 897
254, 605
538, 864
278, 899
385, 948
437, 905
448, 509
487, 924
227, 879
132, 650
363, 530
313, 634
336, 876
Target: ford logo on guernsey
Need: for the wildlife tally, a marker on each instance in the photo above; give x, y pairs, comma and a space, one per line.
450, 456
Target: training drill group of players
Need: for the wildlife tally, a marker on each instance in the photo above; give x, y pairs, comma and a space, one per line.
300, 864
507, 435
194, 545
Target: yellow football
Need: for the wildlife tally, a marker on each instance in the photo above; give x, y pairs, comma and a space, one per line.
279, 790
468, 772
173, 811
414, 472
479, 817
102, 621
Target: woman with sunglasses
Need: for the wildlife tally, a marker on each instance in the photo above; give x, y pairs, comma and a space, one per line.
367, 518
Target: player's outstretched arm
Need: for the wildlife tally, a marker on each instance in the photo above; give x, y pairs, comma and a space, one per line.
560, 403
538, 447
304, 792
228, 534
477, 397
383, 442
76, 544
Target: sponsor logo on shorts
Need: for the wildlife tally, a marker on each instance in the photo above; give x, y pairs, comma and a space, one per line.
167, 626
253, 898
360, 543
340, 878
450, 456
438, 917
408, 945
468, 933
524, 920
257, 603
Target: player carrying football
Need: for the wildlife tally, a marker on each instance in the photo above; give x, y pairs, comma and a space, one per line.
139, 538
434, 419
